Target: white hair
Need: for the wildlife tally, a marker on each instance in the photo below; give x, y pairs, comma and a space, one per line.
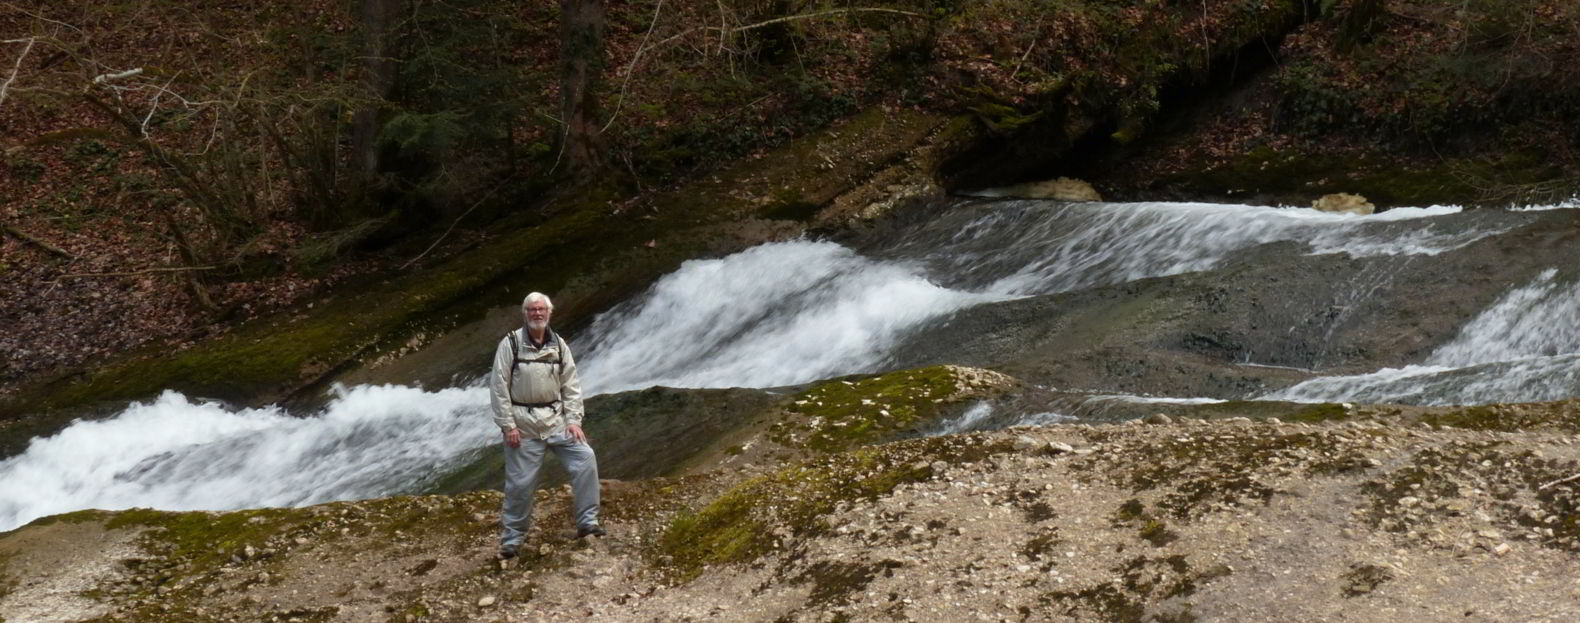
536, 296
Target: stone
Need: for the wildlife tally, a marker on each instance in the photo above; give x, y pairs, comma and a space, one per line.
1059, 447
1058, 189
1024, 443
1159, 418
486, 601
1344, 203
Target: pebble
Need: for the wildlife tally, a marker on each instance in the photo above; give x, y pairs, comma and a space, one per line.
1059, 447
1024, 443
486, 601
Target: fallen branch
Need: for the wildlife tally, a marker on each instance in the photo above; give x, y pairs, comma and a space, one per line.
1559, 482
133, 273
631, 69
457, 221
16, 69
28, 238
792, 18
778, 20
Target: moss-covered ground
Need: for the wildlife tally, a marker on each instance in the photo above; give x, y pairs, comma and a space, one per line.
767, 512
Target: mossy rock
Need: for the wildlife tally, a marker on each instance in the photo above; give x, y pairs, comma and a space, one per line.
843, 413
1297, 176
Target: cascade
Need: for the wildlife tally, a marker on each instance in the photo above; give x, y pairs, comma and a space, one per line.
792, 312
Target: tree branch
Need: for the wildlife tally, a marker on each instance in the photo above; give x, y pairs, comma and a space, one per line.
1559, 482
458, 219
16, 69
631, 68
145, 271
792, 18
25, 237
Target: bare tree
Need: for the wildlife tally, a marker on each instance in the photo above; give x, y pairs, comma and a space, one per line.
378, 78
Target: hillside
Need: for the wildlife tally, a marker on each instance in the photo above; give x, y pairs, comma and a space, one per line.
217, 188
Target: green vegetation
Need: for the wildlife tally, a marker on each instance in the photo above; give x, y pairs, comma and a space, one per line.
763, 513
845, 413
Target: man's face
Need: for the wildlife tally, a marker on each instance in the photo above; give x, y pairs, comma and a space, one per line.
538, 315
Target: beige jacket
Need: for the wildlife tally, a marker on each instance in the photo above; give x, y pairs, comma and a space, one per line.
544, 396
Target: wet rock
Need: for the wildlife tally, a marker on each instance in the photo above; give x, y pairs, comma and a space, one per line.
1058, 189
1344, 203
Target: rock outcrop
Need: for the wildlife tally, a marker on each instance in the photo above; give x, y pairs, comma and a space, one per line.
1344, 203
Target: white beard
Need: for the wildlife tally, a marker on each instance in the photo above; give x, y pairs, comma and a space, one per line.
537, 325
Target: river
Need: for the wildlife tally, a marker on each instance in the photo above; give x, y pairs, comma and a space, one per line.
792, 312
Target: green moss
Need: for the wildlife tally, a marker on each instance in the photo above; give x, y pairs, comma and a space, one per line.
1297, 176
1325, 412
1436, 474
845, 413
740, 524
1226, 469
834, 582
1362, 579
1525, 417
205, 540
1156, 532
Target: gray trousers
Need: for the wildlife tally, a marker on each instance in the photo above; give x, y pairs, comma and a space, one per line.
521, 478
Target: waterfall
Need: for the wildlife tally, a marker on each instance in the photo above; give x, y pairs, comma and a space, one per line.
777, 314
774, 315
1525, 347
1020, 248
175, 454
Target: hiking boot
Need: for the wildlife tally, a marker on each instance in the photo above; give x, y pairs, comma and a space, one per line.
506, 552
594, 530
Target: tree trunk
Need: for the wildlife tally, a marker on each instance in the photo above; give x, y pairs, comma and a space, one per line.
378, 77
581, 65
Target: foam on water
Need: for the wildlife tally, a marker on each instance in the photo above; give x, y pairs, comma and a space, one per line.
1019, 248
777, 314
1525, 347
176, 454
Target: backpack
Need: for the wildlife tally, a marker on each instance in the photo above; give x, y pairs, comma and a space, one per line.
516, 360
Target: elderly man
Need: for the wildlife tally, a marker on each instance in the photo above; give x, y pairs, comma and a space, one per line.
537, 401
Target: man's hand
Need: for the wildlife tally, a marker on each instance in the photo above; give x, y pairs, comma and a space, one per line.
513, 437
576, 432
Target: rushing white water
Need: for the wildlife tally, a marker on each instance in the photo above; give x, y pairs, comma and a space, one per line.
773, 315
1525, 347
972, 417
172, 453
777, 314
1020, 248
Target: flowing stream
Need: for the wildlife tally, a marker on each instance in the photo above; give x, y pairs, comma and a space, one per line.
791, 312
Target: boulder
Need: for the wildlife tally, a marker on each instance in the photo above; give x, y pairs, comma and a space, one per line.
1344, 203
1060, 189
